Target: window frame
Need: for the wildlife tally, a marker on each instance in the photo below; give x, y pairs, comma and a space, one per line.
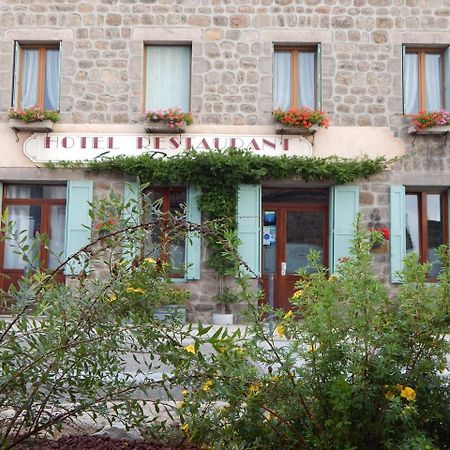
421, 53
145, 70
17, 78
295, 50
421, 195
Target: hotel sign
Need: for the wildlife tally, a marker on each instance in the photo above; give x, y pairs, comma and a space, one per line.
88, 146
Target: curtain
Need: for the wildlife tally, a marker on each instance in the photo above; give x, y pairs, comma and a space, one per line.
282, 80
27, 221
51, 96
57, 227
411, 80
433, 82
30, 69
306, 94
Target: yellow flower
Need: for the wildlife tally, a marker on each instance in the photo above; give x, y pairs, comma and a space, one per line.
399, 387
184, 427
297, 294
280, 330
112, 298
274, 378
240, 350
288, 315
135, 290
207, 386
149, 261
332, 278
408, 393
190, 348
254, 388
389, 395
312, 348
184, 392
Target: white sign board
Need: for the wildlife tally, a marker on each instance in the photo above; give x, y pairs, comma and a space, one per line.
88, 146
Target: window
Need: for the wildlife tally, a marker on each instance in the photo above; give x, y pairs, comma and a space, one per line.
168, 77
426, 225
170, 203
295, 77
423, 80
36, 80
34, 210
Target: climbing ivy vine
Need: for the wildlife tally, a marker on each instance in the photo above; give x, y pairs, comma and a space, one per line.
220, 172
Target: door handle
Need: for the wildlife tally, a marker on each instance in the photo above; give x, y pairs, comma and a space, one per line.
283, 268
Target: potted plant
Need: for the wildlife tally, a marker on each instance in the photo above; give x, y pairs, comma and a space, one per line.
167, 121
225, 299
430, 122
33, 119
303, 121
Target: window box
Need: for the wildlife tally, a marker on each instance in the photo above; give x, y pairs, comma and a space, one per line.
441, 129
164, 128
44, 126
299, 131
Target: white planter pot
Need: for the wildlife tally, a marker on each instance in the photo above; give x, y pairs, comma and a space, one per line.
297, 131
222, 319
163, 128
444, 129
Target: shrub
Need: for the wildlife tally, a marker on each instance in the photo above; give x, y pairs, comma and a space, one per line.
361, 370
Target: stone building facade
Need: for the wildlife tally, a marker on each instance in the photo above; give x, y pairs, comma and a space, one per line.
359, 47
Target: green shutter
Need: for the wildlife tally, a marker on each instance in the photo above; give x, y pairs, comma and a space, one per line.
344, 209
398, 231
78, 222
319, 76
168, 77
132, 216
447, 78
1, 199
193, 242
249, 227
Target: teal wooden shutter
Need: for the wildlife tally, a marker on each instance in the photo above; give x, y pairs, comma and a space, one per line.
168, 77
447, 78
398, 231
344, 207
78, 222
132, 216
249, 227
193, 242
319, 76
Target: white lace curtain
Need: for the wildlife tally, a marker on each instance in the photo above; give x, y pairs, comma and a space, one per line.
282, 80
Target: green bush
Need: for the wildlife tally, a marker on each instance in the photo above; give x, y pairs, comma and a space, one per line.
361, 369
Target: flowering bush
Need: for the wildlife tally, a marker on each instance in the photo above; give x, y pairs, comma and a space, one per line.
34, 115
360, 370
426, 119
302, 118
173, 116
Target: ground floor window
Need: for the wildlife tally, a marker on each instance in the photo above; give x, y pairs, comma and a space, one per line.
34, 210
161, 206
426, 225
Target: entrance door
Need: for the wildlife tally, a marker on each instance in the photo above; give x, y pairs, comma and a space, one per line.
294, 223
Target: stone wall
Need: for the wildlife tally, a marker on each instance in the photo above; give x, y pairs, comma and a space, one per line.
232, 46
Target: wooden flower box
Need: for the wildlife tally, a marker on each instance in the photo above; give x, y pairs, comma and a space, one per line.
163, 128
298, 131
44, 126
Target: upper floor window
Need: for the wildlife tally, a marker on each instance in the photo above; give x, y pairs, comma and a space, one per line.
168, 77
423, 79
295, 77
36, 77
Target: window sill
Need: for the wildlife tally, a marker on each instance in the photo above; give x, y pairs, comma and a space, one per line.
298, 131
435, 130
163, 128
45, 126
